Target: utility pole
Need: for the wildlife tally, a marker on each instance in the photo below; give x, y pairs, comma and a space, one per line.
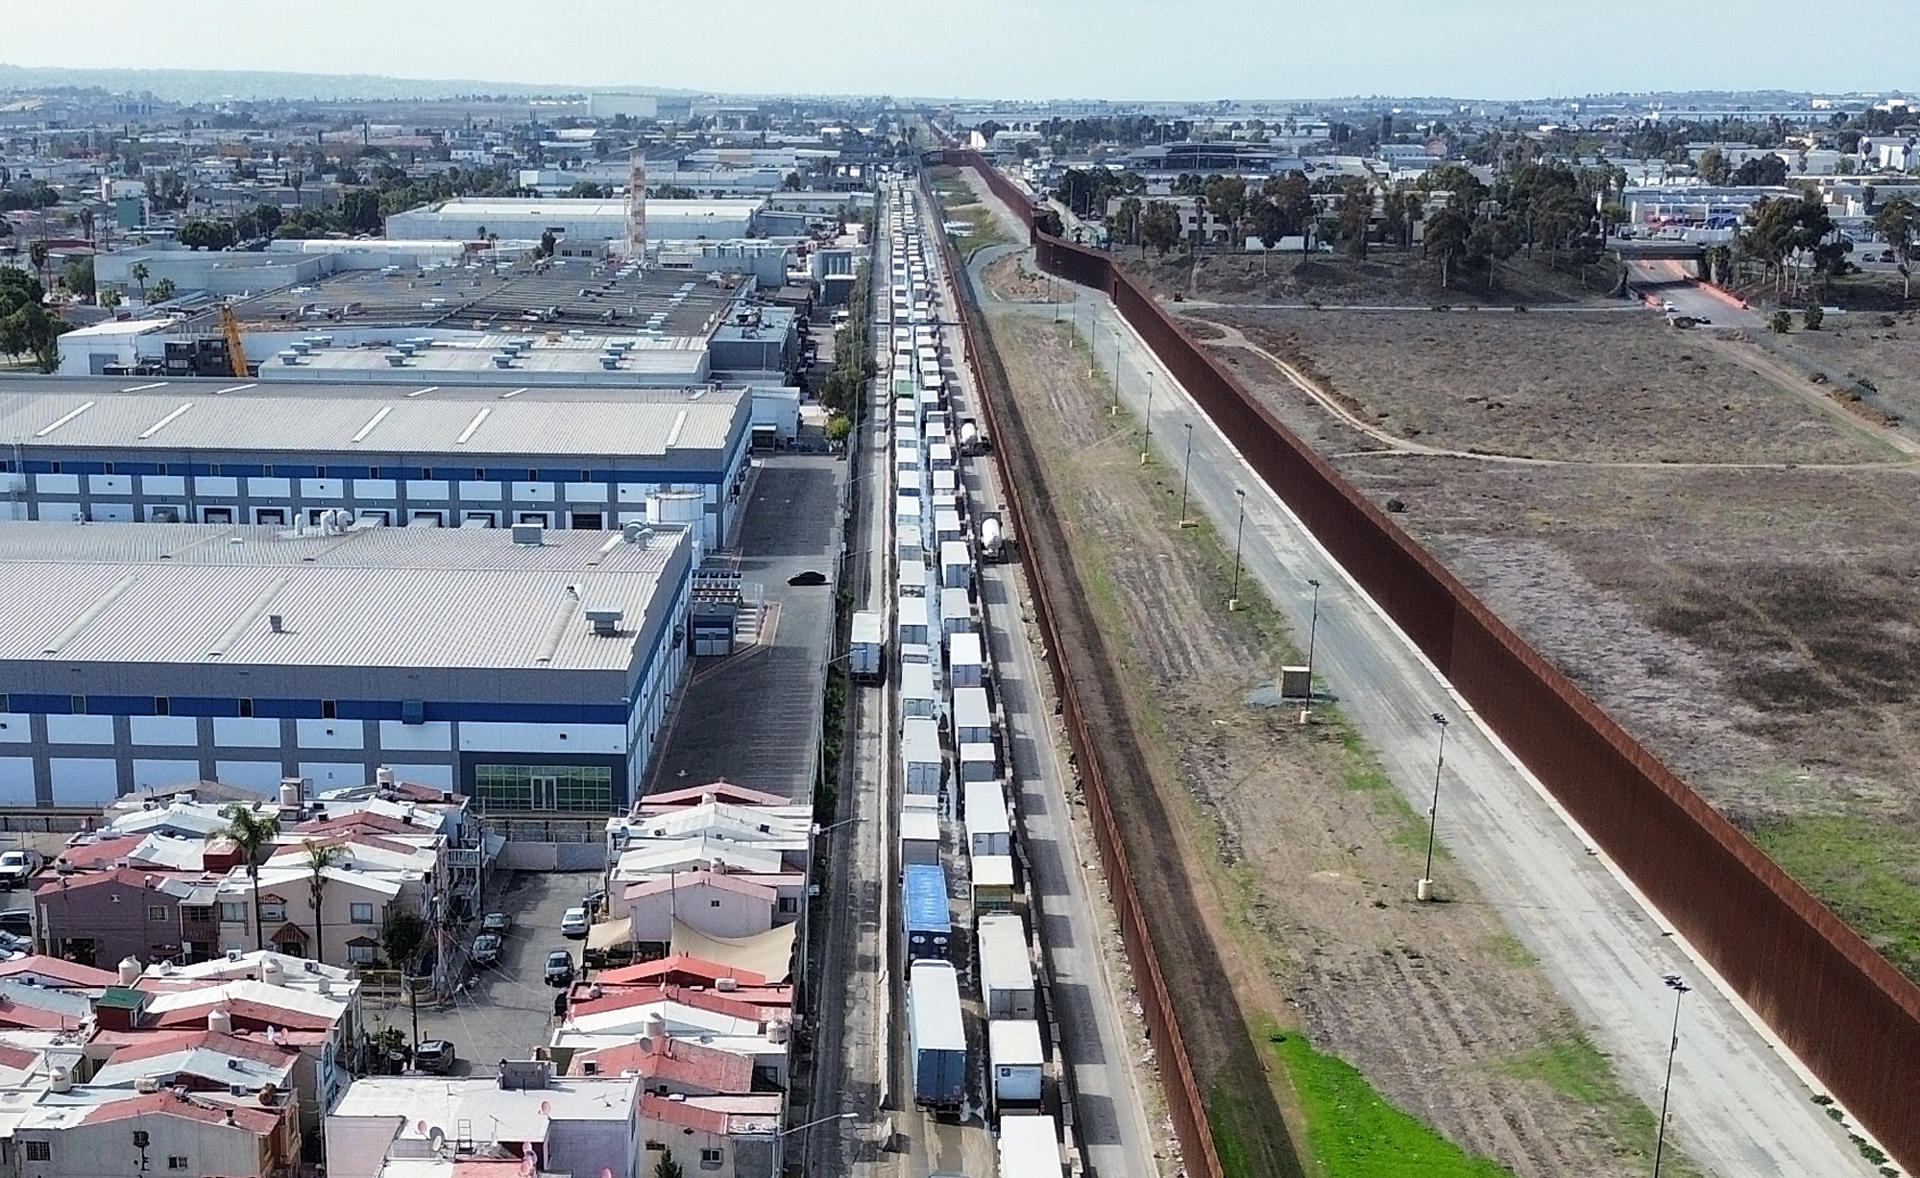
1424, 890
1146, 419
1239, 526
1186, 471
1680, 989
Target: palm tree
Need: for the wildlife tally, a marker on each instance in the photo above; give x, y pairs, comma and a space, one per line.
250, 830
37, 255
86, 223
163, 290
320, 856
139, 273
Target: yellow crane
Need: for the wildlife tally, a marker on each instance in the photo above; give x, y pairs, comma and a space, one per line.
236, 349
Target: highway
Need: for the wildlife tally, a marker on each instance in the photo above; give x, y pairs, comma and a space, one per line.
1739, 1106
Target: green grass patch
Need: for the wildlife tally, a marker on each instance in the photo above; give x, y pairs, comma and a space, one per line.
1572, 1066
1507, 947
1355, 1133
1867, 871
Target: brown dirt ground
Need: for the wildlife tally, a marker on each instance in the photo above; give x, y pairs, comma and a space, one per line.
1261, 861
1384, 276
1603, 387
1751, 625
1883, 349
1013, 281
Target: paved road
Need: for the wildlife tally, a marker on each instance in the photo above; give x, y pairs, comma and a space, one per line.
1738, 1107
754, 719
1104, 1048
1671, 282
508, 1010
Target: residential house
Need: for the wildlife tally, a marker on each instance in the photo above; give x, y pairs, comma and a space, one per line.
96, 918
73, 1134
731, 1136
574, 1125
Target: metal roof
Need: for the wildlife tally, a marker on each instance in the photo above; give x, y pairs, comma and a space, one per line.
924, 895
379, 597
332, 419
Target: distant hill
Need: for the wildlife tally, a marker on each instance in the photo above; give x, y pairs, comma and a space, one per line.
261, 86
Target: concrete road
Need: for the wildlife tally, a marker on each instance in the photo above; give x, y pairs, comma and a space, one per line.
1103, 1044
508, 1009
754, 718
1740, 1107
1670, 282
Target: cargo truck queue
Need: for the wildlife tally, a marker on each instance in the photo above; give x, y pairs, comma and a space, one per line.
975, 1015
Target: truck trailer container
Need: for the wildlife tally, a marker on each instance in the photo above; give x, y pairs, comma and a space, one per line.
1029, 1147
919, 835
978, 762
956, 565
920, 756
939, 1042
956, 613
972, 718
910, 617
925, 912
866, 650
988, 830
918, 697
992, 882
1016, 1063
966, 663
1006, 966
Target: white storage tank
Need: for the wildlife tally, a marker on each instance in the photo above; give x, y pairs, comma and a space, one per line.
917, 693
988, 831
972, 719
920, 755
1016, 1063
681, 509
919, 835
966, 664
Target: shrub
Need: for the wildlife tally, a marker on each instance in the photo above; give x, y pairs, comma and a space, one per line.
1779, 323
1812, 316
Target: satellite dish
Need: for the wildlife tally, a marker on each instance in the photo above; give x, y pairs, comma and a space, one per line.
421, 1128
546, 1108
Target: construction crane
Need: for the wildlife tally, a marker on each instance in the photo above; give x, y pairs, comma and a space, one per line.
236, 349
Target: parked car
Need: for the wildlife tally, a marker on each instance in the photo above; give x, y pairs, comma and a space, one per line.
486, 949
574, 923
16, 867
18, 921
496, 922
559, 967
596, 902
436, 1056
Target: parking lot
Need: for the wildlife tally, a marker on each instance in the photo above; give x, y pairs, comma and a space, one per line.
507, 1010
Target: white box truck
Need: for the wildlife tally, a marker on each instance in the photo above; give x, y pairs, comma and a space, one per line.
920, 756
866, 653
1029, 1147
1017, 1063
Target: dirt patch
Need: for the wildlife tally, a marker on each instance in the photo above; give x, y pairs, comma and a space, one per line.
1384, 277
1582, 387
1875, 356
1012, 280
1271, 856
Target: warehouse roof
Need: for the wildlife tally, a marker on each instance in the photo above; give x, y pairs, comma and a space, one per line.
202, 593
320, 418
666, 210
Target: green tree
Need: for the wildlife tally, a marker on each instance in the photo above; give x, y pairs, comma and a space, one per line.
163, 290
86, 223
252, 832
140, 274
548, 243
1356, 210
1713, 167
587, 190
666, 1167
108, 298
77, 277
1779, 323
1446, 240
1895, 221
268, 217
37, 256
839, 427
1811, 317
1159, 227
26, 327
320, 859
401, 936
360, 211
1126, 219
208, 235
1394, 223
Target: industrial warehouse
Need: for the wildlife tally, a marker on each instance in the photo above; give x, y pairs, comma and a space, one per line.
284, 453
529, 668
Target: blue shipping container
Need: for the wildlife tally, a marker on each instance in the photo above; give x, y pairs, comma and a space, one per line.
923, 899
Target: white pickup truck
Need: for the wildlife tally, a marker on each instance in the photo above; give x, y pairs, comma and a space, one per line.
16, 868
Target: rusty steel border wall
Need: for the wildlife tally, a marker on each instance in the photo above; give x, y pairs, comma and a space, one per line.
1186, 1104
1846, 1012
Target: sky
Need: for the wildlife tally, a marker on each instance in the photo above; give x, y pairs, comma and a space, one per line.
1115, 49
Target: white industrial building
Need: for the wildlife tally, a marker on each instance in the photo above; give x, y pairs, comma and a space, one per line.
582, 224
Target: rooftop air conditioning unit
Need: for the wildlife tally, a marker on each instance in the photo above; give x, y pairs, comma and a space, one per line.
528, 534
605, 622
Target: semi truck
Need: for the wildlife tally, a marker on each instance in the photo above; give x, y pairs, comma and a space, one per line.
938, 1037
866, 661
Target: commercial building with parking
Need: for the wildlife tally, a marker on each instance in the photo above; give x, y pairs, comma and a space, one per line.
532, 669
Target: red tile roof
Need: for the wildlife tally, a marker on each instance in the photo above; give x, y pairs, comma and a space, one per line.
711, 1000
87, 856
687, 1116
719, 791
128, 877
256, 1049
681, 969
255, 1121
40, 965
18, 1058
692, 1065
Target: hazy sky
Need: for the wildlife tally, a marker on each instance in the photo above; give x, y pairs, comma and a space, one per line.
1119, 49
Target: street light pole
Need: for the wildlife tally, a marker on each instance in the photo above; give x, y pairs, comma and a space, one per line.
1186, 470
1146, 439
1679, 988
1313, 632
1239, 526
1425, 889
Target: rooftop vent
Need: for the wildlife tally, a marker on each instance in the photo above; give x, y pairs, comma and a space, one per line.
529, 534
605, 622
278, 623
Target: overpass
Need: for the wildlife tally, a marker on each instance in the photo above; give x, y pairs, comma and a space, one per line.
1656, 249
